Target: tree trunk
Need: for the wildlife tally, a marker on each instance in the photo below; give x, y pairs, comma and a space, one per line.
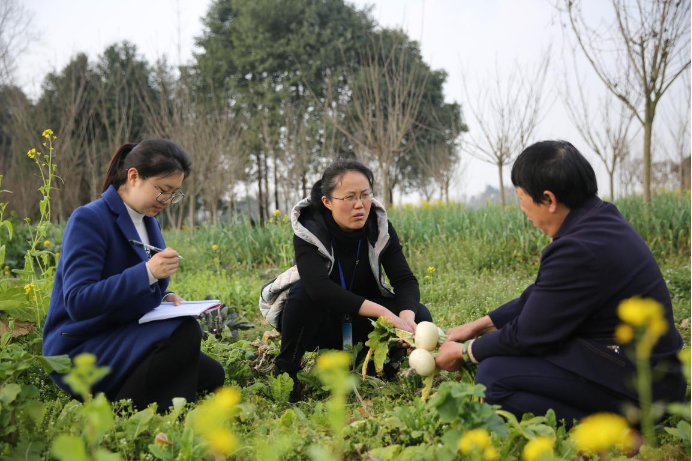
191, 202
612, 184
648, 127
260, 196
276, 184
502, 187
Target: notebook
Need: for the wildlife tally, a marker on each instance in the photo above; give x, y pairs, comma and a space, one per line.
186, 308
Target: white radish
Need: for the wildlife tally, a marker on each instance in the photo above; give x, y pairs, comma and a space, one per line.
426, 336
422, 361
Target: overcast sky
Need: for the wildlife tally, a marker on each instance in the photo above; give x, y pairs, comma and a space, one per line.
454, 35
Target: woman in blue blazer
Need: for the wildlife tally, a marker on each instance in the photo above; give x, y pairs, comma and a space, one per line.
104, 284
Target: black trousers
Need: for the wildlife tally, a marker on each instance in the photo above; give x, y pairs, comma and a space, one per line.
175, 367
534, 385
306, 326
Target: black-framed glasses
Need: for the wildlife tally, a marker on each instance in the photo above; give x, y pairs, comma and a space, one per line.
164, 197
352, 198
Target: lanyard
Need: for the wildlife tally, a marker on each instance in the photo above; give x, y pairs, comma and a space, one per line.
341, 272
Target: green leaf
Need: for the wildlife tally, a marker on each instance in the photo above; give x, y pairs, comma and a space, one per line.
69, 448
35, 410
2, 255
59, 363
281, 388
8, 225
139, 422
9, 392
28, 451
104, 455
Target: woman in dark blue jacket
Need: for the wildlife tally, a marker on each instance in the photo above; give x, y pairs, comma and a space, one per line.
104, 284
555, 346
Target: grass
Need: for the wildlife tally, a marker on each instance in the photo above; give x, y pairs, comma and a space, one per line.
481, 259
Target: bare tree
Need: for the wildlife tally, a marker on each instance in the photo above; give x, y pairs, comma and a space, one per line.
606, 130
16, 36
638, 57
507, 109
386, 95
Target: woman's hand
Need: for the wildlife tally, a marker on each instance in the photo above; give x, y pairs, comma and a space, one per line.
397, 321
450, 356
471, 330
409, 317
371, 309
164, 264
173, 298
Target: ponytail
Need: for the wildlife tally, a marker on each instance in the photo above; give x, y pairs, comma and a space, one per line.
116, 175
316, 196
153, 157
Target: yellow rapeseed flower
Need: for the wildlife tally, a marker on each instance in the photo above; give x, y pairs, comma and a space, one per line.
637, 311
214, 247
47, 133
538, 448
227, 397
222, 441
624, 333
475, 439
28, 287
601, 431
277, 213
427, 277
431, 269
490, 453
658, 326
285, 218
333, 360
57, 254
46, 243
7, 268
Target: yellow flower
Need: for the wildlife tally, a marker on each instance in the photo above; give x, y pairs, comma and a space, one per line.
624, 334
47, 133
427, 277
271, 220
285, 218
538, 448
222, 441
333, 360
214, 247
431, 269
658, 327
7, 268
28, 288
34, 298
46, 243
490, 453
684, 356
44, 144
475, 439
637, 311
57, 254
600, 431
227, 397
277, 213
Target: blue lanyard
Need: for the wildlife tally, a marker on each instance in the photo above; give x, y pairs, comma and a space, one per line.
341, 272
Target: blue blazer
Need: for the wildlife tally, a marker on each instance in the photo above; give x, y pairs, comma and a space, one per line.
569, 314
101, 290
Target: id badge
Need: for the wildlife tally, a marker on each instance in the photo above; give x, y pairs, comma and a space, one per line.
347, 335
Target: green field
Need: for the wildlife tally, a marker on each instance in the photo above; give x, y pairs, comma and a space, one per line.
467, 261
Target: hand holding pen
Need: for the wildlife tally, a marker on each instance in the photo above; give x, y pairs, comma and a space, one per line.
163, 263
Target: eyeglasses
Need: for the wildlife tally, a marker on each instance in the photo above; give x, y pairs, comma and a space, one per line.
164, 197
352, 199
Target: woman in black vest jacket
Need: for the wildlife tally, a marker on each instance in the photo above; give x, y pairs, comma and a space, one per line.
342, 241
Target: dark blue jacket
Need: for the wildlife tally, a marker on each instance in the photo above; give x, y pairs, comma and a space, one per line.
101, 290
569, 314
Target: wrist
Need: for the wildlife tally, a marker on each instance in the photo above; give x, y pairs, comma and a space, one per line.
166, 296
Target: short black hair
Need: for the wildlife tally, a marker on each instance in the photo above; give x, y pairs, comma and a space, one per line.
556, 166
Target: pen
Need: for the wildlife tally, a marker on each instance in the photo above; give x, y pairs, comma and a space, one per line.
137, 243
